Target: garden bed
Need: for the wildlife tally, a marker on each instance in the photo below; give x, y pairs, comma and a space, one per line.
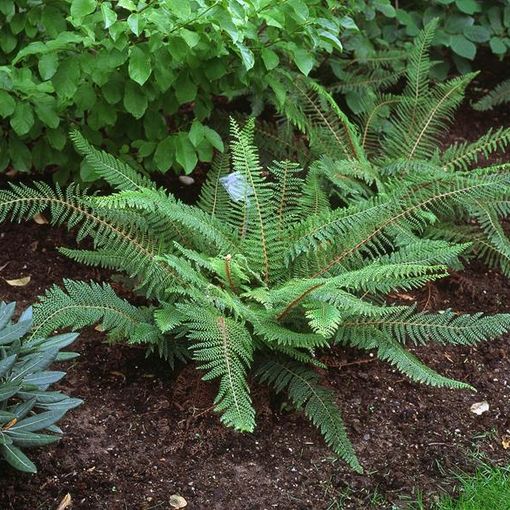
146, 433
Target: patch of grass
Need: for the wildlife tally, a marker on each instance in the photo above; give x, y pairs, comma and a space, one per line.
487, 489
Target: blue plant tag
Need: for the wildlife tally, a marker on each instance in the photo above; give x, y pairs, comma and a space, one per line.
237, 187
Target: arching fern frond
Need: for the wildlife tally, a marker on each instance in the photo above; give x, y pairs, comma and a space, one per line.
224, 349
82, 304
499, 95
462, 156
316, 401
316, 113
405, 324
117, 173
394, 353
214, 199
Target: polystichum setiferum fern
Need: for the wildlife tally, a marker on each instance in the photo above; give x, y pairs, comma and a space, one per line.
262, 274
500, 94
399, 143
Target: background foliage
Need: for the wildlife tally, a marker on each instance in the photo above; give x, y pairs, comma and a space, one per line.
376, 53
142, 76
464, 27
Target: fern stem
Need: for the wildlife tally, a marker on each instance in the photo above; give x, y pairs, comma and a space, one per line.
431, 116
296, 301
228, 273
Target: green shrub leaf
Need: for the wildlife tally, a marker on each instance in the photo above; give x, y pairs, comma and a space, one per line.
139, 65
17, 459
81, 8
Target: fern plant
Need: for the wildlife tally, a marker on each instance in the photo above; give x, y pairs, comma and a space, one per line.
399, 143
500, 94
28, 411
261, 275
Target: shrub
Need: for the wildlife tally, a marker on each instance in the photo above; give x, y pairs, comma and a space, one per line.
28, 410
261, 275
103, 65
397, 143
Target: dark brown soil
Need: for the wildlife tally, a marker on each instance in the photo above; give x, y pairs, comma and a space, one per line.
145, 433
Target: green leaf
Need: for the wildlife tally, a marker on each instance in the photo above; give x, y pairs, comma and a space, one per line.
85, 97
7, 42
165, 154
134, 23
181, 8
139, 67
246, 55
53, 20
20, 155
205, 151
270, 58
31, 439
127, 4
348, 23
154, 125
66, 78
506, 16
7, 8
47, 65
467, 6
196, 133
109, 15
477, 33
214, 138
7, 104
17, 459
7, 363
38, 421
23, 118
191, 38
278, 88
498, 46
81, 8
185, 89
47, 113
300, 8
135, 100
8, 389
456, 23
463, 47
386, 8
56, 138
185, 153
145, 149
304, 60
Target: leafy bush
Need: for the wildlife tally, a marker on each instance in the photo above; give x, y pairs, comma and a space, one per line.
28, 411
261, 274
376, 54
103, 65
464, 26
397, 143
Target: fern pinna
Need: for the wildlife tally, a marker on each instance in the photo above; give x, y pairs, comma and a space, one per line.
262, 274
399, 139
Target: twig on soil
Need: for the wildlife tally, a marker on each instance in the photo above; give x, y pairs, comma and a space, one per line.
351, 363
